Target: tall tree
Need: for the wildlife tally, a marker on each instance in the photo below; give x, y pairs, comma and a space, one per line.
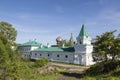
7, 29
11, 65
107, 45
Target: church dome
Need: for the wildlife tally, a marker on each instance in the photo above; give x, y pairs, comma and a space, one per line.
58, 39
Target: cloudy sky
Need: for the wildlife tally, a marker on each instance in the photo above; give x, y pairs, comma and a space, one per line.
45, 20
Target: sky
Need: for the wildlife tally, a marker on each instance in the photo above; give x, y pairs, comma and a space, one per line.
45, 20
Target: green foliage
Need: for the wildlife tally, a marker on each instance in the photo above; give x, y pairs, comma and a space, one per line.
52, 76
7, 29
116, 72
41, 62
12, 66
88, 78
102, 68
100, 78
107, 45
67, 43
107, 49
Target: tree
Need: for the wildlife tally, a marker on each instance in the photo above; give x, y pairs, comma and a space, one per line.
7, 29
11, 65
107, 45
115, 49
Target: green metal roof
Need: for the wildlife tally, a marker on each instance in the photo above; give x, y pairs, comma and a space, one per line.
55, 49
49, 49
31, 43
83, 31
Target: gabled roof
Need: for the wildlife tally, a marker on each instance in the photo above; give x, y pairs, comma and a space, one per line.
83, 31
55, 49
31, 43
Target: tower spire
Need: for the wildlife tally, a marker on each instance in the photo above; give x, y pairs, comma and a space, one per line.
83, 32
71, 41
83, 37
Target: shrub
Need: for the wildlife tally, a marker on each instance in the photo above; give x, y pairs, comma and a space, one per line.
41, 62
102, 67
117, 71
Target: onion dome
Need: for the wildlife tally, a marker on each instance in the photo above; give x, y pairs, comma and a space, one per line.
58, 39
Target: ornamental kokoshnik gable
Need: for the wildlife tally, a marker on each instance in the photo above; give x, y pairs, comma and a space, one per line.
80, 53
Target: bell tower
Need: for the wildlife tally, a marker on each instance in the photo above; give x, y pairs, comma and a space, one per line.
83, 48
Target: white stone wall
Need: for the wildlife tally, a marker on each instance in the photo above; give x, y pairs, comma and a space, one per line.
26, 50
83, 48
67, 57
89, 49
84, 40
80, 48
83, 51
63, 57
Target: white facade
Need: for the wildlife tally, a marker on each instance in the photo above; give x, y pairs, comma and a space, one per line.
83, 48
67, 57
26, 50
82, 53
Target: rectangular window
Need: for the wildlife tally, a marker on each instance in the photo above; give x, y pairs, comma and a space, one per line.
48, 55
66, 56
40, 54
57, 55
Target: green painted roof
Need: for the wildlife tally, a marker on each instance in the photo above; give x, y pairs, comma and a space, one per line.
49, 49
31, 43
83, 31
55, 49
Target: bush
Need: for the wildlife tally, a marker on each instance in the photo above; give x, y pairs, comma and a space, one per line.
102, 67
41, 62
116, 72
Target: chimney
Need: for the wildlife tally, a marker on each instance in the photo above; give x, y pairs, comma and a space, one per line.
48, 45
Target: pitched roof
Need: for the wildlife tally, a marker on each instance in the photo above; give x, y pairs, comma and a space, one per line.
31, 43
83, 31
55, 49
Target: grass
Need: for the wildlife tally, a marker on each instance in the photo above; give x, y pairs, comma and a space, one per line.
44, 77
100, 78
111, 73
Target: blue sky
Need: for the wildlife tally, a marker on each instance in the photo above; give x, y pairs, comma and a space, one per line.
45, 20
